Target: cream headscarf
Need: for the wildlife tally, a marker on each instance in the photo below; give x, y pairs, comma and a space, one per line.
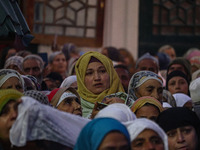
137, 126
81, 67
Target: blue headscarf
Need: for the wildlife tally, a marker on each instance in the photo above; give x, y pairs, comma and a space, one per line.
94, 132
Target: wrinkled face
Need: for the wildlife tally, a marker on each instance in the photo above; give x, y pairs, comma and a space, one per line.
59, 64
13, 83
171, 53
124, 77
96, 78
184, 138
146, 140
7, 118
114, 141
149, 112
151, 88
32, 67
178, 85
176, 67
71, 105
147, 64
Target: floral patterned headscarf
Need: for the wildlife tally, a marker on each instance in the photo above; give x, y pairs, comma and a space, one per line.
138, 79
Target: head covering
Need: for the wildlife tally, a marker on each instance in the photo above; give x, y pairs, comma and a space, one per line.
164, 60
146, 100
35, 57
139, 125
58, 95
166, 105
28, 83
138, 79
14, 60
5, 74
168, 97
81, 67
194, 90
64, 96
185, 63
53, 55
123, 96
195, 61
68, 81
38, 95
192, 52
147, 56
36, 121
195, 74
176, 73
181, 99
7, 95
176, 117
95, 131
118, 111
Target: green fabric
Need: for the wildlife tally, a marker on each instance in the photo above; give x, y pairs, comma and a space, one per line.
87, 108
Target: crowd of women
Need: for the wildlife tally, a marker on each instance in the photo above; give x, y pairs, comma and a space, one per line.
100, 100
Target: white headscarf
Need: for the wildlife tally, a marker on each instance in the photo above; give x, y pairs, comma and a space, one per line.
181, 99
137, 126
68, 81
64, 96
36, 121
5, 74
118, 111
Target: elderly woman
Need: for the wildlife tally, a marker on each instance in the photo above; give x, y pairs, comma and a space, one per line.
58, 63
96, 79
146, 134
26, 123
177, 82
11, 79
8, 111
147, 107
66, 99
15, 63
145, 83
182, 127
102, 134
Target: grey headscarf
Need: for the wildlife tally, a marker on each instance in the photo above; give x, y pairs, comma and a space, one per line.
138, 79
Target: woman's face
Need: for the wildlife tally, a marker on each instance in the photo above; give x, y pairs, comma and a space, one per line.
148, 111
7, 118
59, 64
147, 139
178, 85
71, 105
151, 88
13, 83
183, 138
96, 78
114, 140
